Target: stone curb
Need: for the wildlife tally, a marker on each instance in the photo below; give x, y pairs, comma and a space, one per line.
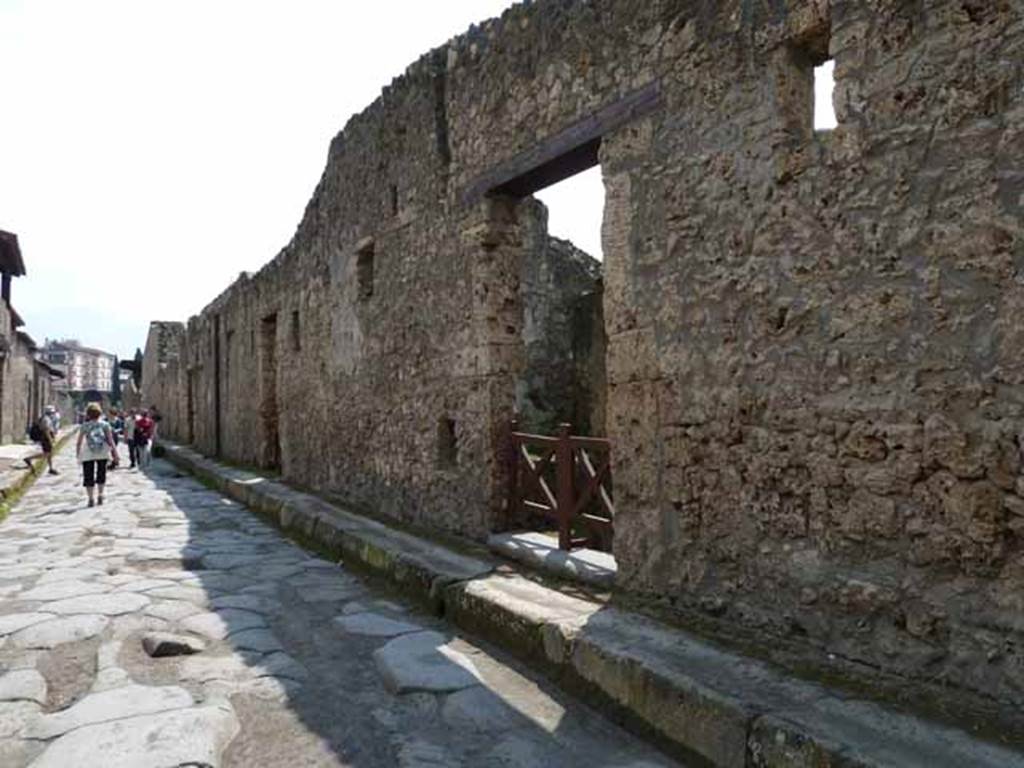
708, 706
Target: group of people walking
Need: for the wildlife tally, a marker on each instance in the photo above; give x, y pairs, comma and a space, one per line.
99, 437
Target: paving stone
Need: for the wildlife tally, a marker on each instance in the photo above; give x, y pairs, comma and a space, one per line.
61, 590
259, 639
354, 607
318, 564
423, 662
68, 629
132, 623
106, 605
119, 579
375, 625
182, 555
144, 585
15, 621
391, 607
15, 716
329, 594
108, 653
229, 561
112, 677
23, 685
263, 588
270, 688
17, 572
276, 572
419, 753
218, 625
280, 664
479, 709
161, 644
516, 751
204, 669
172, 610
127, 701
186, 737
247, 602
180, 592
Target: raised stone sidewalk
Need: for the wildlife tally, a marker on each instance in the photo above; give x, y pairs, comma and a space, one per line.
694, 699
15, 476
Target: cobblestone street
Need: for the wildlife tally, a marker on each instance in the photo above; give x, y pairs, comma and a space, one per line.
172, 627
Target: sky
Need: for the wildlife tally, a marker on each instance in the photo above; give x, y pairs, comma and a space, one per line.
152, 150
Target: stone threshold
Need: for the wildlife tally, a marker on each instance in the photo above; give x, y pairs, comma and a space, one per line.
703, 704
540, 551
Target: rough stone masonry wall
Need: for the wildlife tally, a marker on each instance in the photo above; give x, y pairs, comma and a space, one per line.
814, 369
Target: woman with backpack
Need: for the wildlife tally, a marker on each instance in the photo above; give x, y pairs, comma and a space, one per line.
95, 446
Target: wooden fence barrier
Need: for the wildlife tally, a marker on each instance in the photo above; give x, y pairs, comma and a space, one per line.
558, 479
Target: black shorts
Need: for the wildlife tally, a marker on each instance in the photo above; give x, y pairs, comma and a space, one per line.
94, 473
46, 445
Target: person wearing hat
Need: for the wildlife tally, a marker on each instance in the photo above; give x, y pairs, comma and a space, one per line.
95, 447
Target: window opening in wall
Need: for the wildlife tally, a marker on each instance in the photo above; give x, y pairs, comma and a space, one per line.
364, 268
447, 443
824, 87
296, 332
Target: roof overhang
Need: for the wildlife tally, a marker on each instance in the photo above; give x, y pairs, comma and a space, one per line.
10, 254
54, 372
28, 340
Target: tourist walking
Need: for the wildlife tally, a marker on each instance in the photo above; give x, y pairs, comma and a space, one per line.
144, 430
129, 437
44, 432
117, 429
94, 448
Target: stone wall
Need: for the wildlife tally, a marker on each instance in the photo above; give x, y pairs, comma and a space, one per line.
813, 362
25, 386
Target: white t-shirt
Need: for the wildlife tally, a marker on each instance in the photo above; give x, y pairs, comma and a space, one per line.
98, 430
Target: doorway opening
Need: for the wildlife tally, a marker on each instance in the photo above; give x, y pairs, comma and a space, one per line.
562, 378
269, 409
190, 405
559, 493
562, 287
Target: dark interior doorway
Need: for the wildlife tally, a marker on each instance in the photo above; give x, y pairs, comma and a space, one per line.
190, 405
269, 408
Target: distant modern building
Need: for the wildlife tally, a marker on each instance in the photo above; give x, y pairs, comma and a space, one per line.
85, 369
26, 383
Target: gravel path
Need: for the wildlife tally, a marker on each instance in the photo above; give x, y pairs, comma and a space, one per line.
171, 627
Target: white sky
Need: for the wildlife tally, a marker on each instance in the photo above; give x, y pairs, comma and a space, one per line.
150, 151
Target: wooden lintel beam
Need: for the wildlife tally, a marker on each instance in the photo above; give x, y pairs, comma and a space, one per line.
565, 153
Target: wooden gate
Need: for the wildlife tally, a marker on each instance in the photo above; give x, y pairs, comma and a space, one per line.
565, 480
